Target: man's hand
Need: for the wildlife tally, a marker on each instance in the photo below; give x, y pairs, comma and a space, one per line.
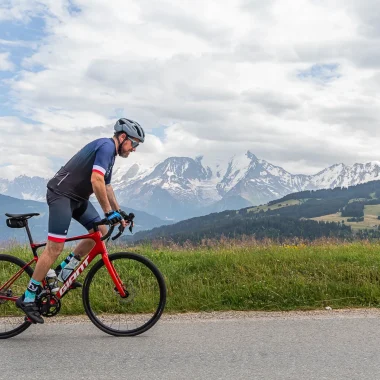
127, 218
114, 217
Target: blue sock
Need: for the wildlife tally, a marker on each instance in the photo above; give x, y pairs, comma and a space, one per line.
30, 293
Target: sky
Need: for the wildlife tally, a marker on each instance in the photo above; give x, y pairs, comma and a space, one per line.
296, 82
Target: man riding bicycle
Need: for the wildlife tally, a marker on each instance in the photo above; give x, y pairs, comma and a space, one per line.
87, 172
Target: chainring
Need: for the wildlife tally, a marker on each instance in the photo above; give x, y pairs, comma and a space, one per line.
49, 305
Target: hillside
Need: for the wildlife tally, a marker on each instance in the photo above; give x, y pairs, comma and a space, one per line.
307, 214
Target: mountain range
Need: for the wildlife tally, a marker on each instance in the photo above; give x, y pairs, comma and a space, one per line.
182, 187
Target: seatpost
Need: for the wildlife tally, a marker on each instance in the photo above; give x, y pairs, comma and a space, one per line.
28, 231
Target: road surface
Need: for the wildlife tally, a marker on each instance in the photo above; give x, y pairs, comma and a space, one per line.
305, 345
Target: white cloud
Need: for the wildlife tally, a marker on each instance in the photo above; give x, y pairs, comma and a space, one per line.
294, 81
5, 62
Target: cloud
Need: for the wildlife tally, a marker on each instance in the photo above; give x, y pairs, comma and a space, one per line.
249, 75
5, 62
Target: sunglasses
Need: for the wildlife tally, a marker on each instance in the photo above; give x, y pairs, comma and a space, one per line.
135, 144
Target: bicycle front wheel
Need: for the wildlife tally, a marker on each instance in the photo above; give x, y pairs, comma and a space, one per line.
131, 315
14, 278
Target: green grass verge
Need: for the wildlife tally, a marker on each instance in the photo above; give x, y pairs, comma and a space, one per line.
252, 276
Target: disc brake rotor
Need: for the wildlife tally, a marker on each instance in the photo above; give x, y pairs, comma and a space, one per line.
130, 289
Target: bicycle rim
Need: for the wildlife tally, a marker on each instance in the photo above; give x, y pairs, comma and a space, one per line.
12, 319
136, 313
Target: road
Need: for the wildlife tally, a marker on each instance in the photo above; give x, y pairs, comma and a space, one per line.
323, 345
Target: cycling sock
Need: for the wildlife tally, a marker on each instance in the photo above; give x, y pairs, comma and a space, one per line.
30, 293
64, 263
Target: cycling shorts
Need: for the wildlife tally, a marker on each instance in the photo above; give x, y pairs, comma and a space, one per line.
62, 209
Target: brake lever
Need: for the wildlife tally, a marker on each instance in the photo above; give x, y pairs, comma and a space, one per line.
131, 216
108, 235
121, 230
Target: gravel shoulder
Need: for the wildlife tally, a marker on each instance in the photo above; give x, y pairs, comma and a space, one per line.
236, 315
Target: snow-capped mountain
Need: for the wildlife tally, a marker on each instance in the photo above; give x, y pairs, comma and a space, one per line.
24, 187
182, 187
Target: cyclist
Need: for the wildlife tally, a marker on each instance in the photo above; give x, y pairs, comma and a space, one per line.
88, 171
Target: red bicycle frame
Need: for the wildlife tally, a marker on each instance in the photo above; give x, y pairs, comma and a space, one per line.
99, 248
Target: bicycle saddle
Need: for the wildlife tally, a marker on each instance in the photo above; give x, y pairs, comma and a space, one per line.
22, 216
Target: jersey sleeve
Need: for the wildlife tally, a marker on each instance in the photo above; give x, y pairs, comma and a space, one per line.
104, 158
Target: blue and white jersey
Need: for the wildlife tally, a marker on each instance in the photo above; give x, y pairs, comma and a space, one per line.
74, 179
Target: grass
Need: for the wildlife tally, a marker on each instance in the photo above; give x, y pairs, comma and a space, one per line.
249, 275
371, 213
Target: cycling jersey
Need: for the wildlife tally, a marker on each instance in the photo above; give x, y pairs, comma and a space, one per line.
74, 179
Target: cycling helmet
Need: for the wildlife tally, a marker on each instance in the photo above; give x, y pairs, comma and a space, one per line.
131, 128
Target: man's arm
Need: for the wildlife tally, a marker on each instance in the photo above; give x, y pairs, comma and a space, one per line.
99, 187
113, 202
111, 197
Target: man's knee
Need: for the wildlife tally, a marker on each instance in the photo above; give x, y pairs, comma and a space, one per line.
54, 249
103, 230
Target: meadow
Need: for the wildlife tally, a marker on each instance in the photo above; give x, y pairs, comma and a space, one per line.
246, 274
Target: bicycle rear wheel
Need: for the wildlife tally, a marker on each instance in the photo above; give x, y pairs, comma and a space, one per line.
132, 315
12, 319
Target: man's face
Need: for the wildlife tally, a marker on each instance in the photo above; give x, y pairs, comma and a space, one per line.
127, 148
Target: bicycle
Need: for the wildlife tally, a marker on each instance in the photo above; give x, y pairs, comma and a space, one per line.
127, 302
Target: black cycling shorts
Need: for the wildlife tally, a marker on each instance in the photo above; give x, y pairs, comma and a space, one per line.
62, 209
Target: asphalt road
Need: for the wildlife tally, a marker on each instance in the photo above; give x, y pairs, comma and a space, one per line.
328, 345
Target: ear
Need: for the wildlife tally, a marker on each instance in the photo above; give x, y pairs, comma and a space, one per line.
123, 135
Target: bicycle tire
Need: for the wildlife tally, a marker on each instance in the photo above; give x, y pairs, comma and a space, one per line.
29, 271
137, 264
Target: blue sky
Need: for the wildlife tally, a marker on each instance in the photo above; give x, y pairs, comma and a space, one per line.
321, 72
19, 40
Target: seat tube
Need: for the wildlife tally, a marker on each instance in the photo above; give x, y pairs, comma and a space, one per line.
28, 232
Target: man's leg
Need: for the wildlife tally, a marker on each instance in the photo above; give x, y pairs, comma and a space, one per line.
60, 212
85, 246
27, 302
47, 258
87, 216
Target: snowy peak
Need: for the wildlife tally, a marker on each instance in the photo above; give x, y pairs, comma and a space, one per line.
340, 175
182, 167
237, 169
24, 187
251, 156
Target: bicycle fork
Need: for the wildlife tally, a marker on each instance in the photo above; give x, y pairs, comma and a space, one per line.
119, 286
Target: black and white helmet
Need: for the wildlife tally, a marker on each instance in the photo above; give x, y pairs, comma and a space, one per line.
131, 128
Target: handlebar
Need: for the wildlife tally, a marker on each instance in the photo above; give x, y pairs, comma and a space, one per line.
106, 222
